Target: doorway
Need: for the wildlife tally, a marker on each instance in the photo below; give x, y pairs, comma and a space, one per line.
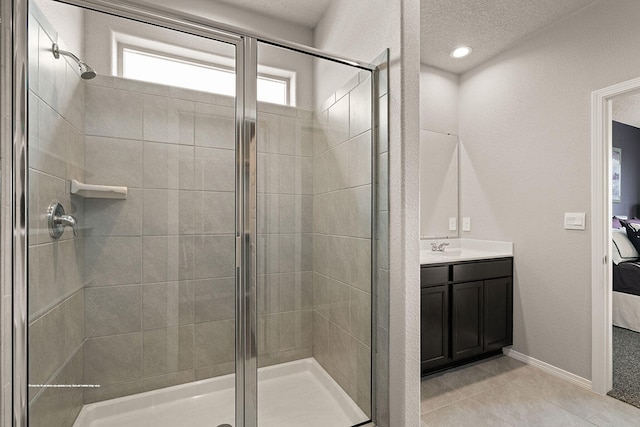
602, 199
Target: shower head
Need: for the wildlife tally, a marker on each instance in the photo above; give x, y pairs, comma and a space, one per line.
86, 72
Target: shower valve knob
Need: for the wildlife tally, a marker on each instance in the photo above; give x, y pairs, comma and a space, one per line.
57, 220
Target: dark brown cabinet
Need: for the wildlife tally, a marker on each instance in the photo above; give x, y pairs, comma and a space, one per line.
466, 311
434, 323
466, 320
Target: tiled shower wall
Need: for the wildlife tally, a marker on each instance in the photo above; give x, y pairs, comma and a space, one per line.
160, 265
285, 209
341, 240
56, 267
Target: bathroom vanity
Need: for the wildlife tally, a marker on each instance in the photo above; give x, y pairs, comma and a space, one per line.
466, 303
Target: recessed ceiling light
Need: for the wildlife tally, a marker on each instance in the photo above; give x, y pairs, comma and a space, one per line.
460, 52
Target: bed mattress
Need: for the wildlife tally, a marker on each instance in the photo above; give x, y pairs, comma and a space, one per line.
626, 277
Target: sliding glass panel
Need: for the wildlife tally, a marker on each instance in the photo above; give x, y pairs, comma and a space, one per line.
132, 204
314, 245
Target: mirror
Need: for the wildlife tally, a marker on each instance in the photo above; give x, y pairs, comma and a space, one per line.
438, 184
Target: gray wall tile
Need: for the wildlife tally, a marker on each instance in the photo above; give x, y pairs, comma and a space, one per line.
59, 407
168, 120
215, 169
168, 166
167, 350
113, 359
109, 217
161, 212
214, 299
215, 126
112, 260
360, 211
163, 258
51, 145
268, 166
337, 167
111, 161
214, 343
113, 310
167, 304
361, 264
360, 315
268, 133
218, 213
211, 371
113, 112
360, 108
268, 293
338, 122
214, 256
51, 72
360, 159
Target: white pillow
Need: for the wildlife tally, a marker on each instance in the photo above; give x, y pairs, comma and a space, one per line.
622, 248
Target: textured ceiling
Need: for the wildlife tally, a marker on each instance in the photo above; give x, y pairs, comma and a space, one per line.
307, 12
488, 26
627, 110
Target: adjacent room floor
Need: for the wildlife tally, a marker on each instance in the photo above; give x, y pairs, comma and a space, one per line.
626, 357
502, 391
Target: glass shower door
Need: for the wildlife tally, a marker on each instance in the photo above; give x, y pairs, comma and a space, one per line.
132, 224
314, 217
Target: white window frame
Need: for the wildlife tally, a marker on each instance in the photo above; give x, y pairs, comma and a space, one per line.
209, 60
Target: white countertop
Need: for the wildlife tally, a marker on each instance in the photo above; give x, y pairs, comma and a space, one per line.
463, 250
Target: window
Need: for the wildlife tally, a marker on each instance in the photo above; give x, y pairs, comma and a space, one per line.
159, 68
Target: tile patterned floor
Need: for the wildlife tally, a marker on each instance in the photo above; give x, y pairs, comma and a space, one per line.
502, 391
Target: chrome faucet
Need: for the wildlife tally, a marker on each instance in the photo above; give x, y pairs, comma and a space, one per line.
58, 220
439, 247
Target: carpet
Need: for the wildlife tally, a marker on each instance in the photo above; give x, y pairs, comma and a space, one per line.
626, 359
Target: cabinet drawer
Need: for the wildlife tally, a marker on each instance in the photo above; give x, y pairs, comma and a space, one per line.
436, 275
482, 270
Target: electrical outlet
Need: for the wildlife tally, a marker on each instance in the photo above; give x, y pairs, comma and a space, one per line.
466, 223
453, 224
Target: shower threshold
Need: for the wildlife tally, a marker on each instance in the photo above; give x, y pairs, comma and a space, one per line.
298, 393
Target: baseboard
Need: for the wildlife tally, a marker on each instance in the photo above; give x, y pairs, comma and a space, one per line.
553, 370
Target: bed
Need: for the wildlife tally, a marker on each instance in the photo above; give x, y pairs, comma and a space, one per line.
626, 282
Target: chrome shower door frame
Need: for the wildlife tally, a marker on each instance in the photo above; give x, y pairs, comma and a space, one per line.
246, 44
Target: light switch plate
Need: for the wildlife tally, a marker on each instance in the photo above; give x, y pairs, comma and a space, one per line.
574, 221
453, 224
466, 223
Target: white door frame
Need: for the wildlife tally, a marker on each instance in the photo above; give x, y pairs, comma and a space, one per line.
601, 213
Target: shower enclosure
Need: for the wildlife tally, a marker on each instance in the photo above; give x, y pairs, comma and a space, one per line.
201, 228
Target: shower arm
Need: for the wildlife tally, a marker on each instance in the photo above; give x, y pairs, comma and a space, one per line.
57, 52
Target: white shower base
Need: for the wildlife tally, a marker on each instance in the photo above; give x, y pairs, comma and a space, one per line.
293, 394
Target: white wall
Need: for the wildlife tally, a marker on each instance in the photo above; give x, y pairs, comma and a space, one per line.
361, 29
100, 30
525, 130
438, 100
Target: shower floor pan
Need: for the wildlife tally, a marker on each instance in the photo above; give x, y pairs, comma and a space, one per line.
298, 393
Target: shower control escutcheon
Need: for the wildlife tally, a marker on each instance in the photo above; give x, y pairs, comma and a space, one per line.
58, 220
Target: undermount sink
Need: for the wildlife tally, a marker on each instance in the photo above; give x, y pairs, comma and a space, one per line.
448, 253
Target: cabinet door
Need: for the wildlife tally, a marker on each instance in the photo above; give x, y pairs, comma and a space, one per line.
498, 313
434, 326
466, 319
